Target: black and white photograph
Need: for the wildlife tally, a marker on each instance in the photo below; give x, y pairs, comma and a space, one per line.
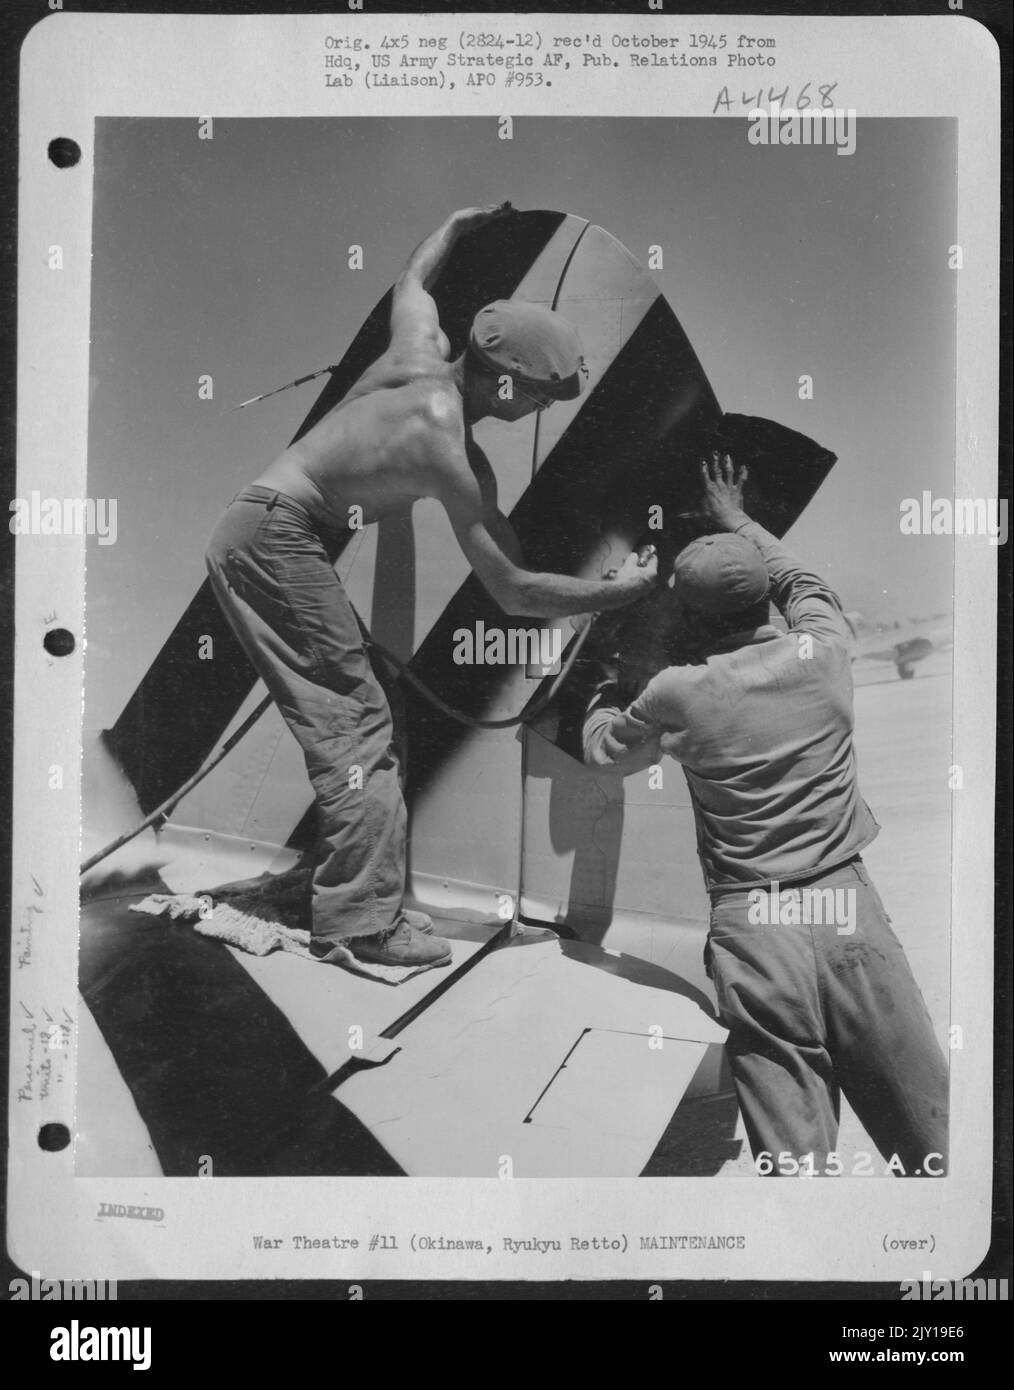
524, 627
509, 873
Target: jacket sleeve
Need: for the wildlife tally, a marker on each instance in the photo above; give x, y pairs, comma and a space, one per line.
617, 737
805, 601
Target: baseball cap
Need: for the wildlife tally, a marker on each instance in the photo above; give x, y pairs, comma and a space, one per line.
724, 573
531, 343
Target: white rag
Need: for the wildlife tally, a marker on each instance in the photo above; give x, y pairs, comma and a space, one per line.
259, 936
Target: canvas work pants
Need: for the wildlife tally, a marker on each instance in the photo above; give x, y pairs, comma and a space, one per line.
815, 1010
274, 577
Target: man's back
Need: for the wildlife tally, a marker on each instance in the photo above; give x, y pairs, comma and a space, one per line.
764, 734
373, 449
763, 727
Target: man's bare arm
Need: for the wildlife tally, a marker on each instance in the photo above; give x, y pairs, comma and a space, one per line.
491, 547
526, 593
497, 525
414, 318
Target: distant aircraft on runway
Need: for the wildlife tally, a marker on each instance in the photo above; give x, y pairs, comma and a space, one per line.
902, 642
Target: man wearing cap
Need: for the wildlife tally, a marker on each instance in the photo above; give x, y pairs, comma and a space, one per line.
402, 432
762, 722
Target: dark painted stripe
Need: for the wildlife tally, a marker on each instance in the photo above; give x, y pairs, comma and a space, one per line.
786, 469
214, 1068
637, 442
181, 707
653, 392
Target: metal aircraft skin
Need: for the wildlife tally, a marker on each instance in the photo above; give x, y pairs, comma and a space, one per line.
502, 821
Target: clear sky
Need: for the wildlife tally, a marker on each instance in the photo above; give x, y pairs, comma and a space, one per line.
229, 256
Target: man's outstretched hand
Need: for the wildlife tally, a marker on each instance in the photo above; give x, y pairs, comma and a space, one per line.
427, 261
722, 496
638, 571
637, 575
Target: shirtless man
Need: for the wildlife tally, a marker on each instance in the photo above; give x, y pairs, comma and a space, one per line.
401, 433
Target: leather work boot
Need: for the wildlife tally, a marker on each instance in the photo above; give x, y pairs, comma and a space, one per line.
401, 944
